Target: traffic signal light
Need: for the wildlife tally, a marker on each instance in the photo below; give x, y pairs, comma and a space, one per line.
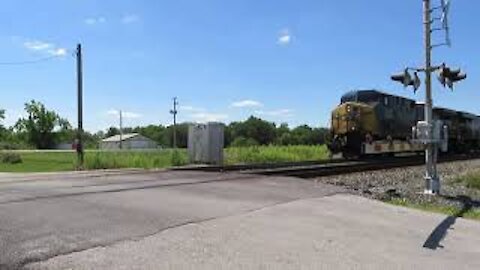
406, 79
448, 76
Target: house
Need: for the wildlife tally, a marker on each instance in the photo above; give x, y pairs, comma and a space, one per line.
128, 141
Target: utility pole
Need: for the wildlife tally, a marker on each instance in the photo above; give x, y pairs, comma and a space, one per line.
174, 112
432, 182
121, 129
80, 151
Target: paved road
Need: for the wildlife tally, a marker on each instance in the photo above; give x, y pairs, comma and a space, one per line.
186, 220
43, 216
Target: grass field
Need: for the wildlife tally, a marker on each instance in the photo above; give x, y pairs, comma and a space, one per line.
66, 161
267, 154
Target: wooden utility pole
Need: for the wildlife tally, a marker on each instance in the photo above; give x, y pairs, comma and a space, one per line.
174, 112
121, 129
79, 146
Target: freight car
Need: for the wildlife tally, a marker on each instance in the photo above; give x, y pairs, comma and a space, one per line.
369, 122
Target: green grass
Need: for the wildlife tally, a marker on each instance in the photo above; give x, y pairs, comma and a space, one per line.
471, 180
66, 161
441, 209
41, 162
135, 159
267, 154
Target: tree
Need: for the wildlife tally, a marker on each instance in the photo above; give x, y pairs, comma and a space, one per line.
243, 142
182, 135
112, 131
66, 134
3, 131
154, 132
255, 128
2, 117
39, 125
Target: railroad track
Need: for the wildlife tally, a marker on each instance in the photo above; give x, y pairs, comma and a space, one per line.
329, 167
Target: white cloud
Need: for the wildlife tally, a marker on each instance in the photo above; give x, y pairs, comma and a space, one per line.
44, 47
126, 115
208, 117
190, 108
277, 113
246, 103
285, 37
130, 18
37, 45
58, 52
95, 20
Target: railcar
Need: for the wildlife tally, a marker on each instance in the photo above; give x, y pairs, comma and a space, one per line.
371, 122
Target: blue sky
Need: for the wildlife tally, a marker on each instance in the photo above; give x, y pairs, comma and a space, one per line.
285, 61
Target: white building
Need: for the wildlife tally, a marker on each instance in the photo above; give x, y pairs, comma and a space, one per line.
128, 141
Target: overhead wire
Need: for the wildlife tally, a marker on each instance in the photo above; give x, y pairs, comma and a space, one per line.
29, 62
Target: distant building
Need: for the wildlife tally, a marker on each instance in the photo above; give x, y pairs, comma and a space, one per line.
128, 141
64, 146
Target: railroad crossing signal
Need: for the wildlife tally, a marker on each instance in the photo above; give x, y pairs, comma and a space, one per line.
448, 76
406, 79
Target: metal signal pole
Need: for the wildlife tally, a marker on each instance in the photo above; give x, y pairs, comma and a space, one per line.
432, 182
428, 132
79, 146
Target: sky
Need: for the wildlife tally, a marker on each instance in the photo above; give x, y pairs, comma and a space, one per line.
281, 60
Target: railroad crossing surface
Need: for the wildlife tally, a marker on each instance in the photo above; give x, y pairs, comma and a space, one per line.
208, 220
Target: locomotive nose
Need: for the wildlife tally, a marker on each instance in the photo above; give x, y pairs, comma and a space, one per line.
345, 118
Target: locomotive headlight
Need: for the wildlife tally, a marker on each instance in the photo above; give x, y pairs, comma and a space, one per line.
349, 109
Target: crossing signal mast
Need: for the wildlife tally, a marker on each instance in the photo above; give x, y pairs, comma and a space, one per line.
428, 131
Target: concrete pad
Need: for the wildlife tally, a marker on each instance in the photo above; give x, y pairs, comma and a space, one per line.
333, 232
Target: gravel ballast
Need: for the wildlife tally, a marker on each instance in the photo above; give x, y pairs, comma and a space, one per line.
408, 183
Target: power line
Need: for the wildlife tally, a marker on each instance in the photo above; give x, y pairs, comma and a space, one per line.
19, 63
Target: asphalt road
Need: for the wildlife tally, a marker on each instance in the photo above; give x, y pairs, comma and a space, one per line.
43, 216
191, 220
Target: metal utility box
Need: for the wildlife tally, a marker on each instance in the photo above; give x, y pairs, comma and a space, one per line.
205, 143
439, 136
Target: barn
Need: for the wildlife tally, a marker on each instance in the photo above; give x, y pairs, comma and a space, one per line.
128, 141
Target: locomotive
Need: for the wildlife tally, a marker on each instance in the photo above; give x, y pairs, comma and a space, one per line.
371, 122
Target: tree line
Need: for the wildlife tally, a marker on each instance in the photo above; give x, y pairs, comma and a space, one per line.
45, 129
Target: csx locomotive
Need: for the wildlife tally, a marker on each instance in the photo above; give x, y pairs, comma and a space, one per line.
371, 122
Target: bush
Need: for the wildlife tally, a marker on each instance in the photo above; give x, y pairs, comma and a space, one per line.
243, 142
13, 146
10, 158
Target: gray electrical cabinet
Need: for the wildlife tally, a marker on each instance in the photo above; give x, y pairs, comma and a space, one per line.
205, 143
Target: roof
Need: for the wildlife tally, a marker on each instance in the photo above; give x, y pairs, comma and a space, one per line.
367, 95
123, 137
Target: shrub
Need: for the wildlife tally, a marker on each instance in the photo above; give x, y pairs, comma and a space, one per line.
10, 158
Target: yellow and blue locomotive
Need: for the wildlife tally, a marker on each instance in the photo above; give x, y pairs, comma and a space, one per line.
369, 122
